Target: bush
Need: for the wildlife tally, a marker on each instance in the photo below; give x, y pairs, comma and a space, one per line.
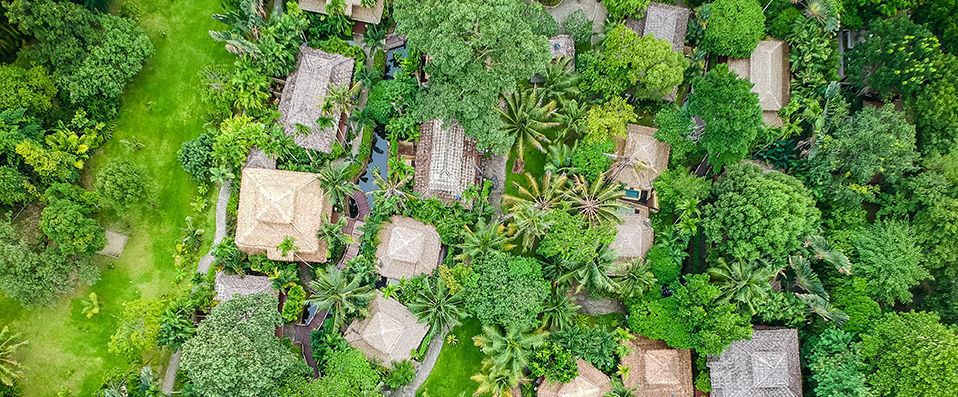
619, 9
590, 160
541, 22
121, 184
294, 305
506, 290
734, 27
554, 362
781, 26
401, 374
597, 346
30, 89
194, 157
836, 365
579, 27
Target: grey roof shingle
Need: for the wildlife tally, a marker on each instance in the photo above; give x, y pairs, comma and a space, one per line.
768, 365
302, 98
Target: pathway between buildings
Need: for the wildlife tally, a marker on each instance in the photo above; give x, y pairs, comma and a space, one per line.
422, 372
221, 202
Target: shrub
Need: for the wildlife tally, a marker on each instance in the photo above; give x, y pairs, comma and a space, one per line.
121, 184
294, 304
619, 9
836, 365
734, 27
579, 27
541, 22
401, 374
554, 362
506, 290
781, 26
194, 157
590, 160
30, 89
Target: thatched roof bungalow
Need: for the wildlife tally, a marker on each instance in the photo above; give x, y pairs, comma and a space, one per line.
304, 93
407, 248
274, 204
633, 238
767, 365
228, 286
657, 370
354, 9
390, 332
447, 161
590, 383
768, 69
640, 159
666, 22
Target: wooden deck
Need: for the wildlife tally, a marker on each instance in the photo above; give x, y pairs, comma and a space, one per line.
361, 204
301, 338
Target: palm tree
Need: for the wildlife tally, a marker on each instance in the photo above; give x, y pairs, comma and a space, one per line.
806, 278
559, 310
508, 349
495, 381
437, 307
545, 195
631, 164
634, 279
488, 236
10, 368
528, 223
389, 188
288, 244
559, 160
332, 232
340, 99
525, 122
343, 295
824, 308
361, 120
822, 250
373, 38
571, 119
598, 202
336, 184
747, 283
561, 81
368, 77
594, 274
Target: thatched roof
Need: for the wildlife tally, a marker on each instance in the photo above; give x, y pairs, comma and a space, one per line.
354, 9
657, 370
590, 383
407, 248
641, 148
303, 96
634, 237
767, 365
446, 161
258, 159
768, 69
664, 21
274, 204
229, 285
561, 46
389, 333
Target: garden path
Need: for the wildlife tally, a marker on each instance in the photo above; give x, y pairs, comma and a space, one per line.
222, 202
423, 370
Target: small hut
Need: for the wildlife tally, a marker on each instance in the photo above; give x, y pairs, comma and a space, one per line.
767, 365
407, 248
276, 204
258, 159
304, 93
562, 46
640, 159
590, 383
228, 286
354, 9
633, 238
390, 333
666, 22
768, 69
657, 370
447, 162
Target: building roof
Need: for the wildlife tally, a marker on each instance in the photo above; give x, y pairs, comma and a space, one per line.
446, 161
258, 159
664, 21
274, 204
657, 370
407, 248
590, 383
354, 9
305, 90
642, 148
634, 237
561, 46
229, 285
768, 69
390, 332
767, 365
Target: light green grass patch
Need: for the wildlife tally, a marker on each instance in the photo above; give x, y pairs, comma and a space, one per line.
456, 364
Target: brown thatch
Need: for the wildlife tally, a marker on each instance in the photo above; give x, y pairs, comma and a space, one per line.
390, 332
657, 370
354, 9
446, 161
768, 69
115, 244
590, 383
641, 159
561, 46
767, 365
407, 248
303, 96
258, 159
664, 21
229, 285
274, 204
634, 237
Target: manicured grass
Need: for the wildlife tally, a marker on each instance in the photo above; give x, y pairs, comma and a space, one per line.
161, 108
456, 364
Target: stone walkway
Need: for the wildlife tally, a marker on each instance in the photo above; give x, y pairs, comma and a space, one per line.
494, 167
423, 370
221, 202
170, 378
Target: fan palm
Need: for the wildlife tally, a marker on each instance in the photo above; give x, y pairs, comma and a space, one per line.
594, 274
598, 201
341, 294
747, 283
559, 310
823, 251
508, 349
487, 236
634, 279
496, 382
336, 183
528, 223
525, 122
824, 308
10, 368
544, 195
805, 277
436, 306
561, 81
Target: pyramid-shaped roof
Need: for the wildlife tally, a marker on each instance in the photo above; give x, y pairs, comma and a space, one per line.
305, 91
407, 248
633, 238
657, 370
642, 148
446, 161
768, 69
766, 365
390, 332
589, 383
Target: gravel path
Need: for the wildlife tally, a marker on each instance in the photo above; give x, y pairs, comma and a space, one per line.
170, 378
221, 202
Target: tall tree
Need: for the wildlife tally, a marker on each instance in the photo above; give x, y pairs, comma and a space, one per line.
911, 354
597, 201
436, 306
889, 257
337, 185
646, 64
341, 294
730, 110
525, 120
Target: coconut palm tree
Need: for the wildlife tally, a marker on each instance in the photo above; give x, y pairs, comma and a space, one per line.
561, 81
559, 310
436, 306
598, 201
528, 223
10, 368
525, 122
508, 349
544, 195
634, 279
824, 308
332, 233
373, 38
746, 283
594, 274
337, 185
343, 295
487, 236
341, 99
496, 382
630, 164
389, 188
571, 119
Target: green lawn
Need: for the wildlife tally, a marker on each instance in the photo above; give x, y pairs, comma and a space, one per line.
161, 108
535, 161
456, 364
